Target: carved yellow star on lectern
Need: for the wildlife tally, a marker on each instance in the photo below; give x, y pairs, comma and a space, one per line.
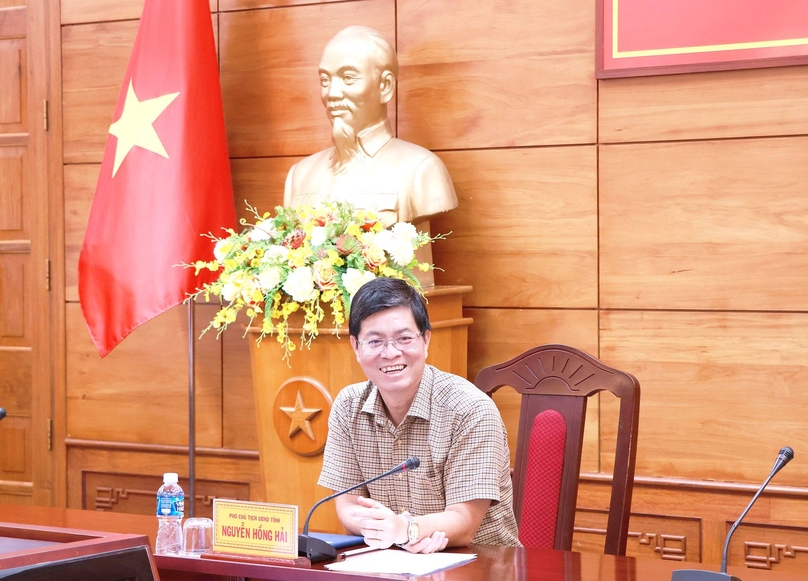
300, 416
134, 126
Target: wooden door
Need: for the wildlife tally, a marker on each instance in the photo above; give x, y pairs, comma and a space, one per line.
26, 457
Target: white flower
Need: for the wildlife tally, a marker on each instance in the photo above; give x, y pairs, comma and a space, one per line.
230, 291
262, 231
401, 252
383, 239
353, 279
406, 231
270, 277
299, 284
399, 249
318, 236
250, 292
222, 249
275, 254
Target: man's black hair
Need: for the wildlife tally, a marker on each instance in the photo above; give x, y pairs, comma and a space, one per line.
384, 293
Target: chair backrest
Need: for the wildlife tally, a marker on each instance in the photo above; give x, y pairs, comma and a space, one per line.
555, 382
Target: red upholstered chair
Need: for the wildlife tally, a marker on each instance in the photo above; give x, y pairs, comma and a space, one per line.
555, 382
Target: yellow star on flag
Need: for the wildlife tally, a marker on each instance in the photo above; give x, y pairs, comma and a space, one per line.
300, 416
134, 127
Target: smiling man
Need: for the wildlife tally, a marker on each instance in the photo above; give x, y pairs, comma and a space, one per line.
367, 165
461, 493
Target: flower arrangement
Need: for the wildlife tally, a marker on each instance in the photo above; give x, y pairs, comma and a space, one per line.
306, 259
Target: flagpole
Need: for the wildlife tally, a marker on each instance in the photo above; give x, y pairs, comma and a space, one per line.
191, 410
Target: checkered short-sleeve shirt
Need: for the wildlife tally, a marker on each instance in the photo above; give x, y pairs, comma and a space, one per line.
454, 429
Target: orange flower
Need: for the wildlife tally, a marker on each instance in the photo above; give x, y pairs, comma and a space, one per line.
324, 275
374, 256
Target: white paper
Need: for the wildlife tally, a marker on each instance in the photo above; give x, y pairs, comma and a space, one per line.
393, 561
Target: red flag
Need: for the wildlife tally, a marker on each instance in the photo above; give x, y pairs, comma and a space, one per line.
165, 178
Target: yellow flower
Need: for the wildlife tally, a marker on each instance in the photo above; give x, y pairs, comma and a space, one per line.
334, 258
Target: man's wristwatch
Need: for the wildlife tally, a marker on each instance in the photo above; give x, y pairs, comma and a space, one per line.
413, 531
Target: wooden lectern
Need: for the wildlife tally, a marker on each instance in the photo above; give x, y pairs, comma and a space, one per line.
293, 401
39, 553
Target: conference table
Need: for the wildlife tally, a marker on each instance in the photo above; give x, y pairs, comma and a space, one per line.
491, 564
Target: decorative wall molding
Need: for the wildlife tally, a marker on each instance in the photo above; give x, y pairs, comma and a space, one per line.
671, 538
135, 493
669, 547
761, 555
160, 449
699, 485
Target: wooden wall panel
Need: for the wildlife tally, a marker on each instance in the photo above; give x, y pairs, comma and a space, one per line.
721, 392
773, 548
15, 218
477, 75
756, 102
79, 190
11, 189
270, 85
527, 222
81, 11
714, 506
139, 392
12, 298
134, 493
227, 468
13, 61
239, 428
649, 536
500, 334
260, 182
90, 85
15, 381
15, 450
705, 225
252, 4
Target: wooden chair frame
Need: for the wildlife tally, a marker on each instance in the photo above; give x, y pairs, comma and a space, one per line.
563, 378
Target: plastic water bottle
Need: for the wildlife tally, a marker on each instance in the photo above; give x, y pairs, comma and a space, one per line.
170, 510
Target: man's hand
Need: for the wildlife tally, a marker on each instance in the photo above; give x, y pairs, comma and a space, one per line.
380, 526
437, 541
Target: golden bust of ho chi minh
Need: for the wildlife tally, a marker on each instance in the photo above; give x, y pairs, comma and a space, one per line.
367, 166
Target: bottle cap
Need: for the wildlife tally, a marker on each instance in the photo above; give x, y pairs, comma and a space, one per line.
170, 478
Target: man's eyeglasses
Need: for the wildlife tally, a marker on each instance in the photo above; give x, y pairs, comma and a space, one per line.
376, 346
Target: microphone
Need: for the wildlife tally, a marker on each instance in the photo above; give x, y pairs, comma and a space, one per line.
2, 413
784, 457
317, 549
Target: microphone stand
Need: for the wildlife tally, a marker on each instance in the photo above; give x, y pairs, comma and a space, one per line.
318, 549
783, 458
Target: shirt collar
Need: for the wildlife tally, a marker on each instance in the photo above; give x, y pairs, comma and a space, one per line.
372, 139
420, 406
373, 404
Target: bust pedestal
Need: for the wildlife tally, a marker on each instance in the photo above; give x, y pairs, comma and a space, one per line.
293, 401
